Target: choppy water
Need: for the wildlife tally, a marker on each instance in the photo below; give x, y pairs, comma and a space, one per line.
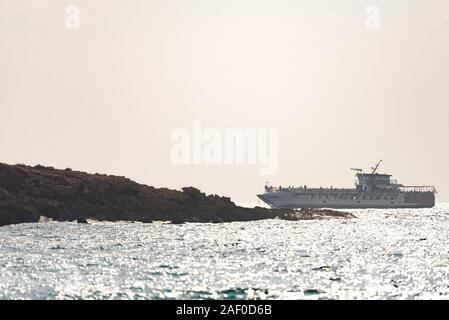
384, 254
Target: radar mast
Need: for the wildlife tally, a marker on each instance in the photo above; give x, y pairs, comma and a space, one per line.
376, 167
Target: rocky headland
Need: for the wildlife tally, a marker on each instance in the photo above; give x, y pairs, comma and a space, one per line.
27, 193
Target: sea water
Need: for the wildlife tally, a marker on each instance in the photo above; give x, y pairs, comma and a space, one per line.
381, 254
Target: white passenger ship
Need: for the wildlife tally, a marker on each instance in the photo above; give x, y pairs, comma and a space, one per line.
372, 190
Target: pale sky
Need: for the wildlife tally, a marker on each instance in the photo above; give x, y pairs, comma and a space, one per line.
105, 98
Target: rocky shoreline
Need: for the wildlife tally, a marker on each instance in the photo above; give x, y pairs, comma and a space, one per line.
27, 193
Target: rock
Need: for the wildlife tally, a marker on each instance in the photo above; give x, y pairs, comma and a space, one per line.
26, 193
194, 193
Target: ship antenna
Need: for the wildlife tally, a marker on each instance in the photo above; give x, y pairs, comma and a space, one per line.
375, 167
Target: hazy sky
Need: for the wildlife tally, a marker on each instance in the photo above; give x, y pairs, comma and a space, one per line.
106, 98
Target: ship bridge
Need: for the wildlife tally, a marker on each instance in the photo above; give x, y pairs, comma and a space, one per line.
371, 182
381, 182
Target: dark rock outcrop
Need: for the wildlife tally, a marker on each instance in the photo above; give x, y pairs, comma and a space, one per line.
26, 193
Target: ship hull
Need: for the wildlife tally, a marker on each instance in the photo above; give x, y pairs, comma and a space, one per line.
290, 200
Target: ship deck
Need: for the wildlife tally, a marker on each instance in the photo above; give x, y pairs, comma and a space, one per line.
400, 188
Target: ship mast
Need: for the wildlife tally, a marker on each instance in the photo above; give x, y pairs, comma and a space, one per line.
375, 167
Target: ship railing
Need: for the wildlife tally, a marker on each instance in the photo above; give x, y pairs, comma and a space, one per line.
417, 188
273, 189
303, 189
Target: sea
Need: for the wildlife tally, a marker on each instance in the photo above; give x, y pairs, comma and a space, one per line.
381, 254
